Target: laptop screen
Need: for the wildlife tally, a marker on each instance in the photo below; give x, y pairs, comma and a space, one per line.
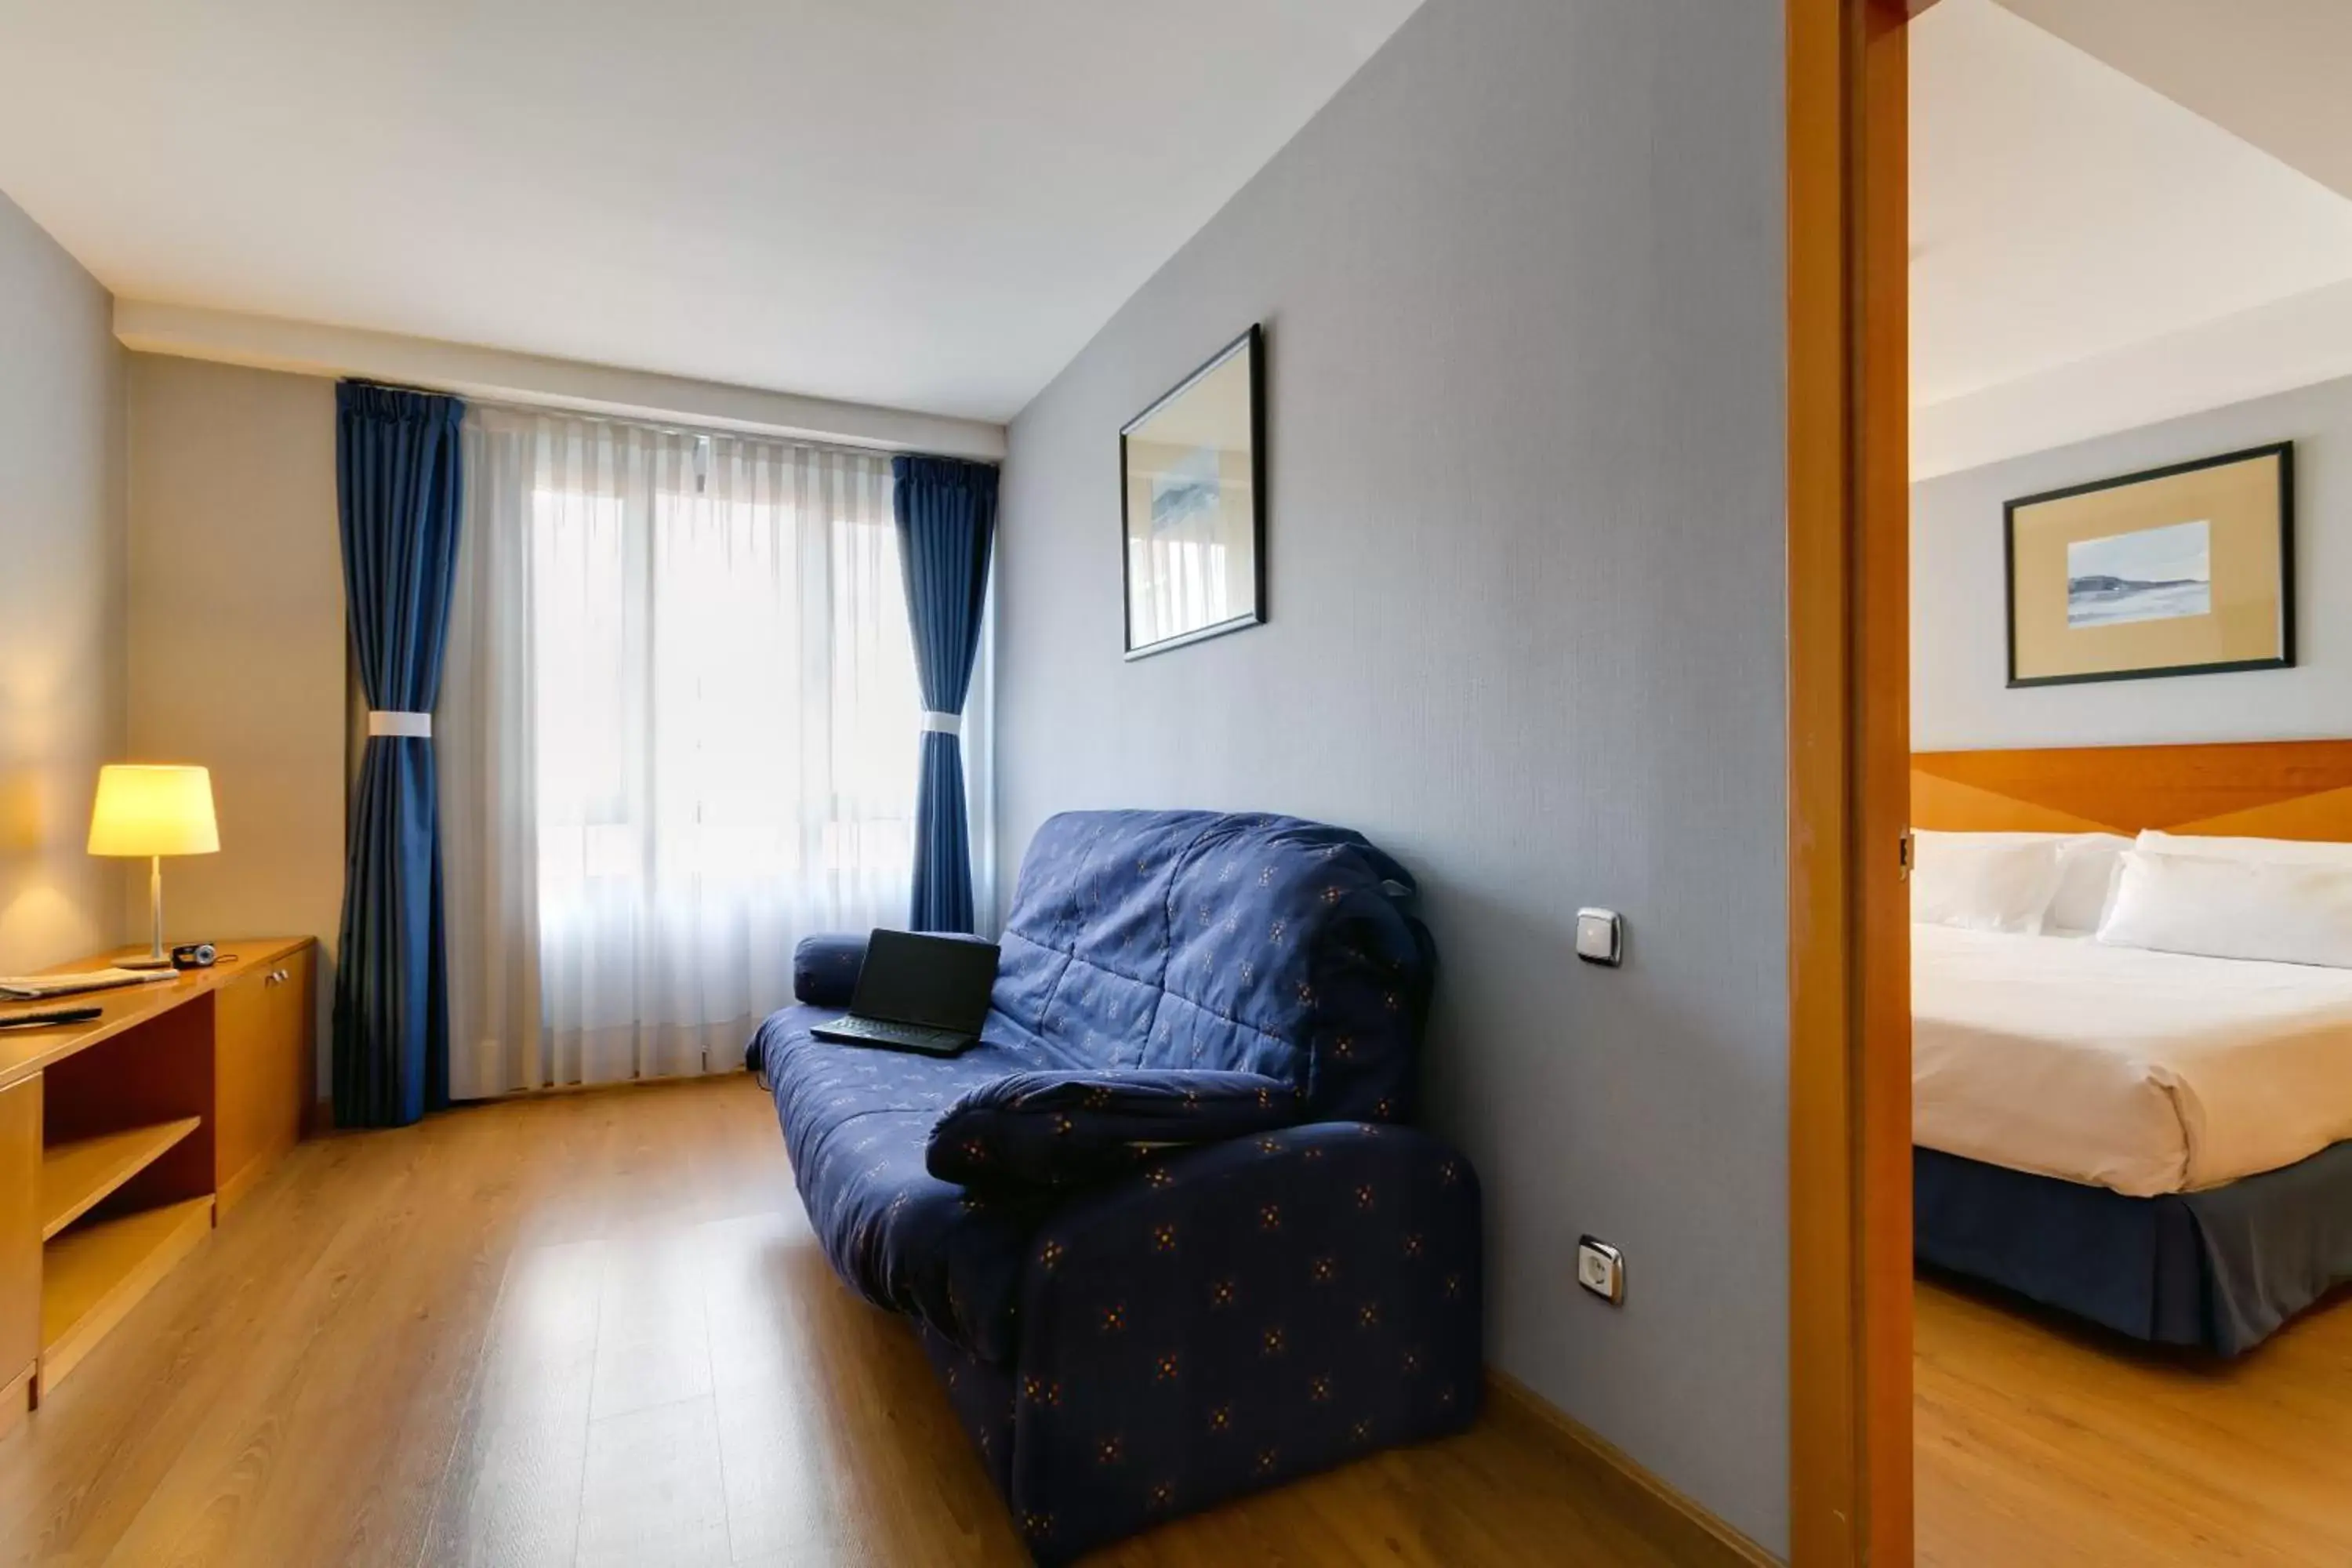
939, 981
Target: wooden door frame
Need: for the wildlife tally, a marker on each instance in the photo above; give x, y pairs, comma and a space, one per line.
1850, 1458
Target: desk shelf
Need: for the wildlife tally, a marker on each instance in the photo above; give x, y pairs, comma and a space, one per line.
125, 1137
77, 1177
92, 1274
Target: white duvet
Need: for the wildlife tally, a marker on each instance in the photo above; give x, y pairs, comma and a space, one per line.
2145, 1072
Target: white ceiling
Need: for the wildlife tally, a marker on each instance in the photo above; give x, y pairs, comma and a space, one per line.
2273, 71
933, 204
919, 204
2060, 209
2076, 234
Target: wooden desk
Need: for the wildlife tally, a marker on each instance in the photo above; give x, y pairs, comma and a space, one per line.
122, 1139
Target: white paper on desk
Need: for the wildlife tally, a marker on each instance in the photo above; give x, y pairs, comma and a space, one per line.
36, 987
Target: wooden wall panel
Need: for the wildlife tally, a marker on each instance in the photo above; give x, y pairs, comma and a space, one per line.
2264, 789
1827, 1488
1883, 742
1849, 973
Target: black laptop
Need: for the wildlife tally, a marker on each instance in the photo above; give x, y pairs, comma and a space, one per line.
917, 993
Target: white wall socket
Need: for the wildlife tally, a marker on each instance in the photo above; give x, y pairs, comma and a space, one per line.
1600, 1268
1600, 937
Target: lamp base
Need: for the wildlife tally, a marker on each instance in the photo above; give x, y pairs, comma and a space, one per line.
158, 955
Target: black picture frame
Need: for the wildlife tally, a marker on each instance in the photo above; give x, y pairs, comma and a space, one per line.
1253, 343
2285, 660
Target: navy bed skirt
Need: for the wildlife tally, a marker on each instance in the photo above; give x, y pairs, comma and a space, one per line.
2219, 1270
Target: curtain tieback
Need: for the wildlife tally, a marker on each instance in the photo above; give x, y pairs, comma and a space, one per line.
943, 724
389, 722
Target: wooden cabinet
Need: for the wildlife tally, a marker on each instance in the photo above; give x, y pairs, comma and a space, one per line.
262, 1069
20, 1245
122, 1140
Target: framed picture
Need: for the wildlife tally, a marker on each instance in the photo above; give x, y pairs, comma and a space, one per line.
1192, 481
2187, 570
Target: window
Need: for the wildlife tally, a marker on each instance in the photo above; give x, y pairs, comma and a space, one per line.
681, 733
692, 726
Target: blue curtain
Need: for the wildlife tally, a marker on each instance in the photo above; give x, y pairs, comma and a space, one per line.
396, 479
946, 523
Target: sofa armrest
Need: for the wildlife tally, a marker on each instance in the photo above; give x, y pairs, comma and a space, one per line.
1077, 1129
825, 968
1238, 1315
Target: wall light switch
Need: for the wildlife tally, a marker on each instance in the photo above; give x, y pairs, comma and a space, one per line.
1600, 1268
1600, 937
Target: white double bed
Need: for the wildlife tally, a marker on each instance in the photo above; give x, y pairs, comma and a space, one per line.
2140, 1072
2144, 1117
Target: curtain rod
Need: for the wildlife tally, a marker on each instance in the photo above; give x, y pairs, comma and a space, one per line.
663, 427
675, 427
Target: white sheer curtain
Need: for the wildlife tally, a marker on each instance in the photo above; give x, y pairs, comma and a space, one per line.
679, 733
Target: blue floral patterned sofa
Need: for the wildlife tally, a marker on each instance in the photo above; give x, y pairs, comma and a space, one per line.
1284, 1275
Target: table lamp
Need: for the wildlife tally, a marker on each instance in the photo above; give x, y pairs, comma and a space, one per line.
144, 809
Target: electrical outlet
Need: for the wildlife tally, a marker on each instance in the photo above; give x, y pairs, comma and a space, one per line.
1600, 1268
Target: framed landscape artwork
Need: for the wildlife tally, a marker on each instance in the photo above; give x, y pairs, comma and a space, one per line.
1191, 471
2187, 570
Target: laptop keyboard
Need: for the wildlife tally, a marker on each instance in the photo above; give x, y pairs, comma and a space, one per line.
916, 1035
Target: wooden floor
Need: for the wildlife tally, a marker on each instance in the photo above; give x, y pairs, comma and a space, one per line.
595, 1329
2040, 1446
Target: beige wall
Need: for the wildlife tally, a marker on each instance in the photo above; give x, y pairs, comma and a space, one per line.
237, 639
61, 595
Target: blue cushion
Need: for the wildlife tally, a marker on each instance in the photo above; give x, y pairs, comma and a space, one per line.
1192, 939
825, 968
1072, 1129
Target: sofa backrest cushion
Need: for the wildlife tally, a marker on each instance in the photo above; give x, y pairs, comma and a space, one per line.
1250, 942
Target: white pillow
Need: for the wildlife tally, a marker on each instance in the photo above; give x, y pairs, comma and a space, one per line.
2302, 851
2278, 911
1983, 881
2088, 864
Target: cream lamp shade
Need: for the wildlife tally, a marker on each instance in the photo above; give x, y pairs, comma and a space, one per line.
146, 810
150, 810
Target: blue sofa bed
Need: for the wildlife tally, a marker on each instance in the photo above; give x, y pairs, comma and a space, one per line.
1165, 1232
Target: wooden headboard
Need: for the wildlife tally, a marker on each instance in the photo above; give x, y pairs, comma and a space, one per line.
2266, 789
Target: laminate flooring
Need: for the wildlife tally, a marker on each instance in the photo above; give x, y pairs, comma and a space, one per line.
2041, 1444
595, 1329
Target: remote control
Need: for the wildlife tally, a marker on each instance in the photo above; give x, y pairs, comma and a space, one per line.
49, 1018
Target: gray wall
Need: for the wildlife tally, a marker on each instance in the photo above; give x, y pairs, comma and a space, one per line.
1959, 664
1522, 282
61, 596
